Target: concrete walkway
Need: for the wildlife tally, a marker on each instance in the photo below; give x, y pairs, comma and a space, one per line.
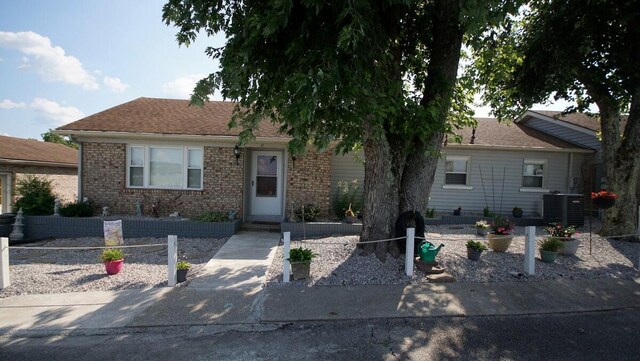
241, 264
229, 292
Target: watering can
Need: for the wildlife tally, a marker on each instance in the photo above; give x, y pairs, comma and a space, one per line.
428, 251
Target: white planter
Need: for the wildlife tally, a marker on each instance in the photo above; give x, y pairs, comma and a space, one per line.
569, 247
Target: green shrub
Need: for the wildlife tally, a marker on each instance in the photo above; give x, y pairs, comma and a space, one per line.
300, 255
430, 213
347, 193
77, 209
36, 196
477, 245
486, 212
112, 254
551, 244
183, 265
309, 213
213, 216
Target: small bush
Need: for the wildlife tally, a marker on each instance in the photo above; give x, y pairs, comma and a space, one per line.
347, 194
112, 254
551, 244
308, 213
486, 212
214, 216
183, 265
77, 209
300, 255
477, 245
430, 213
36, 196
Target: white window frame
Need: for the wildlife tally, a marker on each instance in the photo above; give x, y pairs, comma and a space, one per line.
146, 168
545, 175
465, 186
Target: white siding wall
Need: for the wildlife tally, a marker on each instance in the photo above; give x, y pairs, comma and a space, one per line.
510, 162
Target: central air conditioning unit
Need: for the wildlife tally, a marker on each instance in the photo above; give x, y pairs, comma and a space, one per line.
567, 209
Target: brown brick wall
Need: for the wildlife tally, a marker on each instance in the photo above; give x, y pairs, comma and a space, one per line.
104, 182
63, 179
309, 181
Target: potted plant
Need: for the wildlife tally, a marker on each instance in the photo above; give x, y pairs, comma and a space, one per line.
350, 216
300, 259
603, 199
113, 258
517, 212
474, 249
182, 270
482, 227
564, 234
549, 249
500, 237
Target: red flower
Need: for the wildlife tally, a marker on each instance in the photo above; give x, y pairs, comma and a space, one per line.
603, 194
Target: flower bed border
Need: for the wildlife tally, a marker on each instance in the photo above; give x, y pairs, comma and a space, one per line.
40, 227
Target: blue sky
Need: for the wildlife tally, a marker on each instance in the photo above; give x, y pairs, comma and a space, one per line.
61, 60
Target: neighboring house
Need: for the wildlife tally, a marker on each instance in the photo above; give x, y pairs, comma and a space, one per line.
162, 150
20, 158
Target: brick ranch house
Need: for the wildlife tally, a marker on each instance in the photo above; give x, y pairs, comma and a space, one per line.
150, 150
20, 158
163, 150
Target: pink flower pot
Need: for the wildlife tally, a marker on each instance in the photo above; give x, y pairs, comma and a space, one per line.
113, 267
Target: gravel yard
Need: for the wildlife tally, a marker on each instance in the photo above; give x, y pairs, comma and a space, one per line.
59, 271
339, 262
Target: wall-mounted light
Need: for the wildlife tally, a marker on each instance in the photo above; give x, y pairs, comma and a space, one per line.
293, 160
236, 152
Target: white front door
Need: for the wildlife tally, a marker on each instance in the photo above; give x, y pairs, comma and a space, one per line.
266, 183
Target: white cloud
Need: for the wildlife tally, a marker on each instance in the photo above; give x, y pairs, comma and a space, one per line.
115, 84
49, 61
183, 86
9, 104
62, 115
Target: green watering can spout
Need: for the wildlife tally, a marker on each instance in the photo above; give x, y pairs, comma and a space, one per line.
428, 251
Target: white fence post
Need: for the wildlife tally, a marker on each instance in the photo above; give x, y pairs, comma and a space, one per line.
172, 259
5, 281
408, 256
286, 271
530, 250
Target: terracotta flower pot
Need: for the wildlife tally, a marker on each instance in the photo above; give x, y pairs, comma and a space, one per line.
113, 267
499, 242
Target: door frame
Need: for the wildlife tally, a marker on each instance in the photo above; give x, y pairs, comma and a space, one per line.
7, 191
249, 157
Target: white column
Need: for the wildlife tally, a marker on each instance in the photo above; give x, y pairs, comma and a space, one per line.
530, 250
408, 256
4, 263
286, 270
172, 259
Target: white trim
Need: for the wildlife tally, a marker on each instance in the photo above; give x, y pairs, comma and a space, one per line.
456, 186
116, 137
562, 123
467, 173
544, 176
7, 191
471, 147
533, 190
146, 167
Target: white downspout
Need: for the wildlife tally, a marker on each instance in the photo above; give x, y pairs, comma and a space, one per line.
79, 172
570, 174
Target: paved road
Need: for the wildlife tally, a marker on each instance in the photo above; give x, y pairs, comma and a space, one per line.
610, 335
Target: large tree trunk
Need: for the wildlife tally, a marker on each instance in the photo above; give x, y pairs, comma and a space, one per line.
438, 89
621, 160
381, 182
